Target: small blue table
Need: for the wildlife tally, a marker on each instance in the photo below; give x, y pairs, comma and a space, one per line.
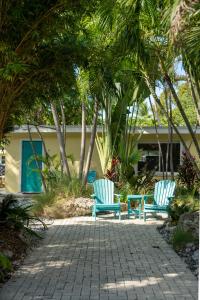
137, 211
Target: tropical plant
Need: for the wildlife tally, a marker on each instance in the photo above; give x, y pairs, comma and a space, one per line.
181, 237
143, 182
5, 266
63, 189
187, 202
187, 174
14, 215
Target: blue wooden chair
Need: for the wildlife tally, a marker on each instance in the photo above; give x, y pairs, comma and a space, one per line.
163, 194
104, 197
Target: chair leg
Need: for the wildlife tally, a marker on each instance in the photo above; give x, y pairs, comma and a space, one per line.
94, 214
120, 215
144, 217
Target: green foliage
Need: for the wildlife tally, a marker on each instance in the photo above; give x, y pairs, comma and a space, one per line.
182, 204
143, 182
184, 94
15, 216
181, 237
5, 262
128, 160
62, 188
5, 266
187, 173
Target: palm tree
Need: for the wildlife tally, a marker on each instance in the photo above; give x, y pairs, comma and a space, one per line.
141, 37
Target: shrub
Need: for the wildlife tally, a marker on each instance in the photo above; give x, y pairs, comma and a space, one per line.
187, 174
5, 266
15, 216
182, 204
64, 189
180, 238
144, 182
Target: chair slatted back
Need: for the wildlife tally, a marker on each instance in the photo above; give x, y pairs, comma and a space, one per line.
104, 191
163, 190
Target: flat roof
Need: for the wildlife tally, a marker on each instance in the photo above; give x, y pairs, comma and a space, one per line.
77, 129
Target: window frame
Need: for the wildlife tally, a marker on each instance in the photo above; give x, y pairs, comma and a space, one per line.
160, 173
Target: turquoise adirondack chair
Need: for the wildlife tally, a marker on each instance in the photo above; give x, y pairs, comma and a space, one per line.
163, 194
104, 197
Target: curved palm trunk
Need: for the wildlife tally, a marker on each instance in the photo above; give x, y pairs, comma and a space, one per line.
92, 141
183, 114
44, 147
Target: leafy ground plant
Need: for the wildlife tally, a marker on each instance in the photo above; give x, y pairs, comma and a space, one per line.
5, 266
181, 237
13, 215
63, 191
181, 205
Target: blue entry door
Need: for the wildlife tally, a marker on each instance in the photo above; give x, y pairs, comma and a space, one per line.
30, 176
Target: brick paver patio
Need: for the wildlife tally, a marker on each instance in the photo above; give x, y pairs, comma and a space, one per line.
106, 259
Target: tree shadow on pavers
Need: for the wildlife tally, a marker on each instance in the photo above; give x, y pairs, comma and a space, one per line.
119, 260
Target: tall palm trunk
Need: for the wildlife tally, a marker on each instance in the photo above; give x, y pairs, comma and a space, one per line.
92, 141
83, 142
157, 135
171, 140
44, 147
60, 138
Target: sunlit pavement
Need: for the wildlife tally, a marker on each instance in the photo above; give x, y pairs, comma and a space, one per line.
106, 259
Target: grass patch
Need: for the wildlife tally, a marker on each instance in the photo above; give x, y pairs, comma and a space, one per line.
181, 237
51, 204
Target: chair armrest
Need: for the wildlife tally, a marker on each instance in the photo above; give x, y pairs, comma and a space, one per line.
118, 196
146, 197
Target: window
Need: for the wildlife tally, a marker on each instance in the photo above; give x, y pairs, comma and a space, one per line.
154, 159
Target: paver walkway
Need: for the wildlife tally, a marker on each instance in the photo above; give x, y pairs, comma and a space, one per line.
106, 259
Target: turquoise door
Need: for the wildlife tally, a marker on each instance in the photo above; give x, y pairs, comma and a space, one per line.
30, 176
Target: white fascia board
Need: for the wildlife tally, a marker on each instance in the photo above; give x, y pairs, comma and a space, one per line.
78, 129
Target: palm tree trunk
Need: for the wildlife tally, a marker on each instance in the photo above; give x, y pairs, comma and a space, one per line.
92, 141
44, 147
171, 139
157, 136
60, 138
83, 142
